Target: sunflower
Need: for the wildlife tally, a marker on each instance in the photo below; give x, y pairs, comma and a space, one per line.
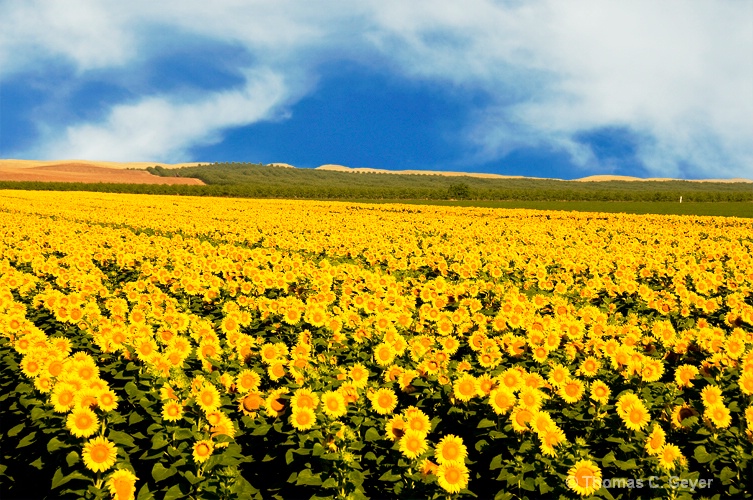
680, 413
551, 438
668, 455
268, 353
530, 398
589, 367
637, 417
520, 418
30, 366
584, 478
122, 485
655, 440
82, 422
359, 375
333, 404
485, 384
746, 382
303, 418
416, 420
652, 370
685, 374
511, 379
396, 427
202, 450
208, 398
251, 403
572, 390
625, 402
384, 354
221, 424
304, 398
107, 400
413, 444
711, 395
63, 397
247, 381
541, 422
384, 401
749, 417
276, 370
172, 411
452, 476
719, 415
558, 375
501, 400
600, 391
99, 454
428, 467
465, 387
275, 404
540, 353
86, 398
450, 449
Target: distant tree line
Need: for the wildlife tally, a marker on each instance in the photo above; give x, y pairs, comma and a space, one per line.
535, 191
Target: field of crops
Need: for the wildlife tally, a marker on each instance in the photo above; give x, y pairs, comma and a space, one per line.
177, 347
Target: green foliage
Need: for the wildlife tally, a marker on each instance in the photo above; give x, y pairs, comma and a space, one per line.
249, 180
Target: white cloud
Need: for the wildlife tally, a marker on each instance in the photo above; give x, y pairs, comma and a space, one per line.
89, 33
677, 73
158, 129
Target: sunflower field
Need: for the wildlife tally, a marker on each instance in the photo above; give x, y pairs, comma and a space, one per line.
178, 347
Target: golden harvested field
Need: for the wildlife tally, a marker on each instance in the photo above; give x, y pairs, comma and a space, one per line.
177, 347
84, 171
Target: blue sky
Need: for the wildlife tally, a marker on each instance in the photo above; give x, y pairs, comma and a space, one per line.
541, 87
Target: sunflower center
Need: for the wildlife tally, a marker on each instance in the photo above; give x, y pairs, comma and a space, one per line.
384, 400
451, 451
99, 453
452, 476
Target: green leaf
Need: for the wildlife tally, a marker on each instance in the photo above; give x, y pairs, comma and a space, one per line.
37, 413
306, 477
481, 444
160, 473
121, 438
389, 476
71, 459
608, 459
485, 423
726, 475
159, 441
27, 440
262, 430
702, 456
55, 444
134, 418
58, 479
496, 463
503, 495
356, 478
132, 390
38, 464
627, 465
15, 430
528, 484
144, 493
174, 492
329, 483
242, 488
372, 435
181, 434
